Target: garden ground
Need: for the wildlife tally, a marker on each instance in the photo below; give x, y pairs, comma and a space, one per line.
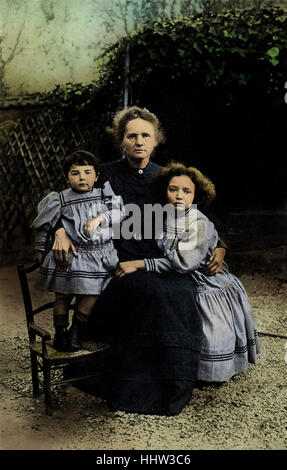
246, 413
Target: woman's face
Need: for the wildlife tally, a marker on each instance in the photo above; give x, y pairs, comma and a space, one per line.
180, 192
139, 141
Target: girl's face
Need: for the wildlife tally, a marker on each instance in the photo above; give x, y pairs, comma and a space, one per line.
82, 177
139, 141
180, 192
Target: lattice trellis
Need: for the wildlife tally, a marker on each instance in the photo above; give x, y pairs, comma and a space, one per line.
31, 166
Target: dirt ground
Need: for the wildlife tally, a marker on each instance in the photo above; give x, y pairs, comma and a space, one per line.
246, 413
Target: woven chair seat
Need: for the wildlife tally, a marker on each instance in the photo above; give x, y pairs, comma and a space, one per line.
89, 348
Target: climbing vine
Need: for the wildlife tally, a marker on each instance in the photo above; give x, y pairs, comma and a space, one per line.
228, 50
217, 82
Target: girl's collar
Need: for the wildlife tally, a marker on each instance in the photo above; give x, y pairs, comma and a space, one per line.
81, 192
180, 214
189, 209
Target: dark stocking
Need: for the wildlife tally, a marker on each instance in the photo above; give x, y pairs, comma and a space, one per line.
85, 305
61, 321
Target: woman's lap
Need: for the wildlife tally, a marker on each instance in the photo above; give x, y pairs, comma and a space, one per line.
166, 303
155, 331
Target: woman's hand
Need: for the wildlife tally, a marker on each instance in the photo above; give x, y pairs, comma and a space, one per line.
61, 247
91, 225
214, 264
128, 267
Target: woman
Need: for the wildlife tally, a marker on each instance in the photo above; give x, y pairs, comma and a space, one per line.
154, 323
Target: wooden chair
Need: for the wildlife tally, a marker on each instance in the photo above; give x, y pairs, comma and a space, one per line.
44, 358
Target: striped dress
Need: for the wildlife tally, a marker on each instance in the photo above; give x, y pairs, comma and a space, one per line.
92, 269
230, 339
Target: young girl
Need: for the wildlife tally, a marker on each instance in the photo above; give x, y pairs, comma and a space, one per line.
229, 335
189, 237
86, 213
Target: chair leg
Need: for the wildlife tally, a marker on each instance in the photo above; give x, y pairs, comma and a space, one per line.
35, 377
47, 386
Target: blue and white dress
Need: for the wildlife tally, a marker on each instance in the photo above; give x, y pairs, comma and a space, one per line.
230, 339
91, 270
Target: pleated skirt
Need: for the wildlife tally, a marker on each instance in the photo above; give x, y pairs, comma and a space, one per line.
88, 273
230, 340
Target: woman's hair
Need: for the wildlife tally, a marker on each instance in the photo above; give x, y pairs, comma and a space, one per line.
128, 114
81, 158
204, 188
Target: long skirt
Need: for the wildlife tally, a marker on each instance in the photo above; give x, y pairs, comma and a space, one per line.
230, 341
154, 329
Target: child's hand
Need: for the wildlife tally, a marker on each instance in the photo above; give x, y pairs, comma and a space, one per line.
128, 267
38, 257
92, 225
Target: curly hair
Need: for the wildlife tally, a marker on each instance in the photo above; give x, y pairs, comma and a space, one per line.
204, 188
128, 114
81, 157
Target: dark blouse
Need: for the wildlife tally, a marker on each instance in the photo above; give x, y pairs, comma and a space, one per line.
134, 185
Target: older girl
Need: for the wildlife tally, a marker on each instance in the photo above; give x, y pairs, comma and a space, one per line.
229, 334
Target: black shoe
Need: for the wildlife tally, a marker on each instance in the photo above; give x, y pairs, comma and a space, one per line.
60, 340
75, 335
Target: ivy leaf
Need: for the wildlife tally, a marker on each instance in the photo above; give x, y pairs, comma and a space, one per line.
273, 52
197, 48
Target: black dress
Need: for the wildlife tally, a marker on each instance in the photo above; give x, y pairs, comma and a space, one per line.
152, 320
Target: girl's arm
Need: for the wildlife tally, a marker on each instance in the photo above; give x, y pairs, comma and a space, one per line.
112, 214
189, 251
128, 267
215, 263
158, 265
192, 250
186, 254
49, 213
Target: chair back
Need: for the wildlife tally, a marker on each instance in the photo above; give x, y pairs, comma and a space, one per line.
28, 306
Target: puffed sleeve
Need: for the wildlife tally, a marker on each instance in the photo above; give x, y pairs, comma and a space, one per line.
49, 213
193, 247
113, 208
